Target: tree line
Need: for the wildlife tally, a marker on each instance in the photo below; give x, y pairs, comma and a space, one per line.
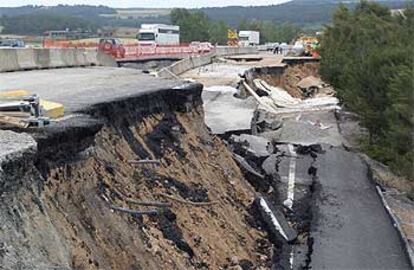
367, 54
37, 24
197, 26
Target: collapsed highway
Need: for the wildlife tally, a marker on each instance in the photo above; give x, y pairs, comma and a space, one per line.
154, 173
323, 189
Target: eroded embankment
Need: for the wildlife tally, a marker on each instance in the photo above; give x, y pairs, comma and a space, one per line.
286, 77
59, 213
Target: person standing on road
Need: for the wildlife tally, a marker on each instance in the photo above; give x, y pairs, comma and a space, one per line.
276, 49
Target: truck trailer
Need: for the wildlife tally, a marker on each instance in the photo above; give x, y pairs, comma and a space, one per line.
249, 38
159, 34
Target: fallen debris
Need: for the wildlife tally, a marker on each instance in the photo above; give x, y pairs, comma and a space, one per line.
135, 213
265, 103
145, 161
148, 203
13, 121
312, 86
226, 113
186, 201
243, 163
251, 145
282, 99
275, 220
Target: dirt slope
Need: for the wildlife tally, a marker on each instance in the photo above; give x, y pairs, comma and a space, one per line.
63, 217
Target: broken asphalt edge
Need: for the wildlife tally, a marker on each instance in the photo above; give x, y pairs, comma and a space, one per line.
397, 225
407, 247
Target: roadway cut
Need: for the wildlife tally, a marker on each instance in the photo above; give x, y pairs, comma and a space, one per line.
132, 178
324, 190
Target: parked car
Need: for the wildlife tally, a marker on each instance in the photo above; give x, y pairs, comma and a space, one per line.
112, 46
12, 43
202, 47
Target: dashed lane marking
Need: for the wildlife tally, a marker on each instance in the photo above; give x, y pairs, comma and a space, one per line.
291, 182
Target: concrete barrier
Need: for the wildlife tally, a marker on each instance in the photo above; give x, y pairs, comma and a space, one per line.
15, 59
186, 64
197, 61
228, 50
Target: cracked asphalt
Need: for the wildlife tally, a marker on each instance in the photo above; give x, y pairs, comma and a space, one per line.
350, 228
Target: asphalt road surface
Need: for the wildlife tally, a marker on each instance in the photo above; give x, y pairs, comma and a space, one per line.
77, 88
351, 228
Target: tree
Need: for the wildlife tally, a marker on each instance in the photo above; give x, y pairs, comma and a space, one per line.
218, 32
193, 26
367, 55
196, 26
37, 24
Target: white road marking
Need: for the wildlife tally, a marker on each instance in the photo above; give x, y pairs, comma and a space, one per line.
273, 217
292, 256
291, 178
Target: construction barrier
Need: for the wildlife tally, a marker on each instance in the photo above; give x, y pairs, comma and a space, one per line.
192, 62
135, 52
15, 59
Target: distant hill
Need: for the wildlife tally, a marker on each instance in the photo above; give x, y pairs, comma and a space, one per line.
84, 11
308, 14
299, 12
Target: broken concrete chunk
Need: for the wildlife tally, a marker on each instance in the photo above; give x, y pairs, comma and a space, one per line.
261, 122
279, 100
312, 86
226, 113
310, 81
270, 165
309, 149
275, 219
243, 163
252, 145
268, 124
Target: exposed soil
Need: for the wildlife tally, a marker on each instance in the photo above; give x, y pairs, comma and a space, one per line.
292, 74
74, 198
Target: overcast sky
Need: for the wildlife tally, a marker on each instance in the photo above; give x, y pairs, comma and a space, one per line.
142, 3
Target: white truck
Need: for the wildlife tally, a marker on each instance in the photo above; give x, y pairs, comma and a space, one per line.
249, 38
159, 34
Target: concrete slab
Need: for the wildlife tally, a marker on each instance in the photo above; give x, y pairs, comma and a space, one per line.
13, 145
300, 128
224, 112
217, 74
